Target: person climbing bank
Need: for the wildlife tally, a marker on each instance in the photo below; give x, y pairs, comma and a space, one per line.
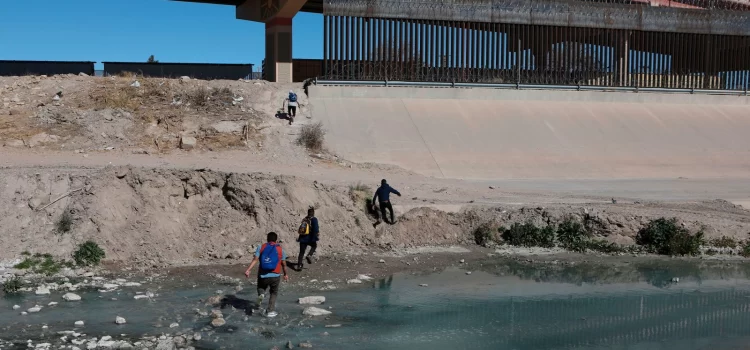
308, 237
292, 105
271, 259
383, 194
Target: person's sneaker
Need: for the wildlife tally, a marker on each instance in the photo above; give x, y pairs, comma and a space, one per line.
300, 267
260, 299
272, 314
309, 260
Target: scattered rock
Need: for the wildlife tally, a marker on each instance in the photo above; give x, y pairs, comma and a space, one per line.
179, 341
185, 78
41, 290
120, 320
289, 345
188, 142
424, 285
174, 325
218, 322
333, 326
136, 84
110, 286
492, 187
314, 311
165, 344
327, 281
306, 345
24, 313
216, 314
354, 281
197, 336
34, 309
313, 300
140, 296
52, 303
364, 277
214, 300
462, 261
468, 272
382, 261
71, 297
16, 307
79, 323
675, 279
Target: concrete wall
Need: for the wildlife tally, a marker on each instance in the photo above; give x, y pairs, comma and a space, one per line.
516, 134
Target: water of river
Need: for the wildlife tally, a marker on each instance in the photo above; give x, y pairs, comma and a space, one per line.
484, 310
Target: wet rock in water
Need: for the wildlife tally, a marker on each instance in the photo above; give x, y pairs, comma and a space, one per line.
314, 311
364, 277
382, 261
71, 297
333, 326
122, 345
179, 341
41, 290
289, 345
197, 336
216, 314
327, 281
468, 272
325, 334
214, 300
675, 279
24, 313
165, 344
79, 323
36, 308
140, 296
462, 261
305, 345
110, 286
218, 322
354, 281
312, 300
424, 285
16, 307
120, 320
52, 303
174, 325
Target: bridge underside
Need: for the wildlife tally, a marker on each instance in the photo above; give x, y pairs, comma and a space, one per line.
645, 43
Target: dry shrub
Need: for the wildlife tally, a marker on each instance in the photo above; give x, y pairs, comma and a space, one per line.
204, 97
312, 136
116, 94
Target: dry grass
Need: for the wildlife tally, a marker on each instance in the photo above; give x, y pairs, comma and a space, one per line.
204, 97
312, 136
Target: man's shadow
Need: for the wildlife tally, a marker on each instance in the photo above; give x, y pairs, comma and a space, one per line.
283, 115
238, 303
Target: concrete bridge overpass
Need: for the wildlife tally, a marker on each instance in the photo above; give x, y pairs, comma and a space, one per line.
695, 44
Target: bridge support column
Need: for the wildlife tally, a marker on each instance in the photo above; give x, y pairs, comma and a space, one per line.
278, 64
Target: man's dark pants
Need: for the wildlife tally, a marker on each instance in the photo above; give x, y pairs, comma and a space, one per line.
272, 283
303, 247
383, 207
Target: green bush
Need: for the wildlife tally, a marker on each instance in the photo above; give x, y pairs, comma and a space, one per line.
528, 235
572, 235
724, 242
602, 246
745, 249
65, 223
12, 285
88, 254
667, 237
484, 235
42, 263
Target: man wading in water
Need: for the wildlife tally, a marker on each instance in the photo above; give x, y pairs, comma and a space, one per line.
272, 263
383, 194
308, 237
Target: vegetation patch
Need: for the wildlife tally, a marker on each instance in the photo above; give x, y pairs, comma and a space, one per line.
65, 222
12, 285
668, 237
724, 242
484, 235
311, 136
528, 235
88, 254
43, 264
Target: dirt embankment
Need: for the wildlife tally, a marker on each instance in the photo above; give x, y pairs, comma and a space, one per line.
145, 115
177, 217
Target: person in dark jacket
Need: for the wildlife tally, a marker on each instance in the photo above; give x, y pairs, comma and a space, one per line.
308, 240
383, 195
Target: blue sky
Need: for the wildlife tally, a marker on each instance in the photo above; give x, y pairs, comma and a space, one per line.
131, 30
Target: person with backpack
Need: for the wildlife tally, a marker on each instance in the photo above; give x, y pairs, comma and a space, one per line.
292, 106
383, 194
308, 237
271, 259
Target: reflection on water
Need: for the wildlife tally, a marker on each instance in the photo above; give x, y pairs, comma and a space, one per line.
508, 306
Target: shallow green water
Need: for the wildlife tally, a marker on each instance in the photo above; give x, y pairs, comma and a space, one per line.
518, 310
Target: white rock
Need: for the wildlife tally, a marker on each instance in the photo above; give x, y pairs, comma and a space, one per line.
16, 307
327, 281
462, 261
110, 286
105, 344
354, 281
56, 98
314, 311
468, 272
184, 78
71, 297
364, 277
131, 284
312, 300
188, 142
136, 84
174, 325
79, 323
52, 303
675, 279
140, 296
91, 345
24, 313
120, 320
36, 308
218, 322
41, 290
382, 261
106, 338
424, 285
